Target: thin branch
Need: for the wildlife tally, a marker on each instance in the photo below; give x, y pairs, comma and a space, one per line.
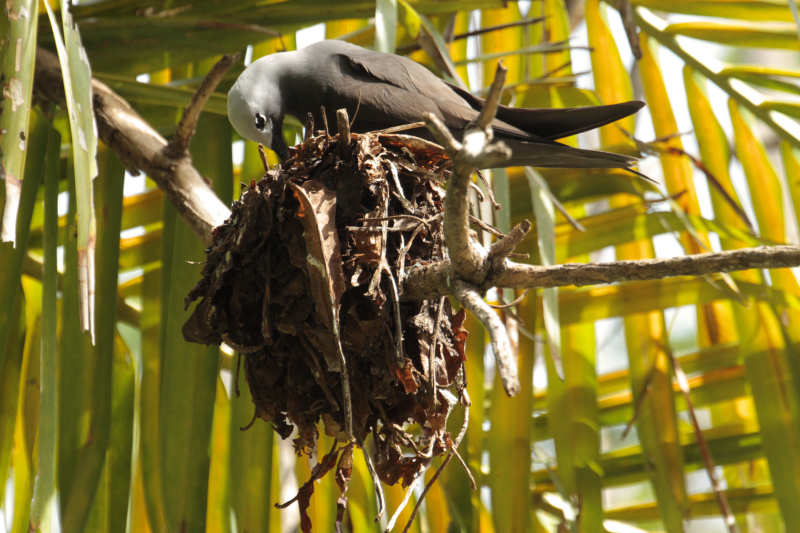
347, 399
406, 497
485, 226
428, 486
505, 245
732, 203
309, 126
398, 320
658, 147
455, 444
639, 401
325, 120
140, 148
489, 109
405, 50
430, 280
626, 14
179, 144
375, 481
402, 127
489, 189
434, 348
343, 126
472, 300
702, 445
512, 303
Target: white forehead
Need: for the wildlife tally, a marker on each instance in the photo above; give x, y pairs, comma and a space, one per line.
240, 113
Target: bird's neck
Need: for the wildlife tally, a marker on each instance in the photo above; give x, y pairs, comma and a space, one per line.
285, 64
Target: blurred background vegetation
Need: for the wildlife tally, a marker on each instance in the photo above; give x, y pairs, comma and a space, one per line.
136, 430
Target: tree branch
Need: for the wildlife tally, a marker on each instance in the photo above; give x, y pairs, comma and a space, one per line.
471, 262
179, 144
472, 299
140, 148
428, 281
467, 256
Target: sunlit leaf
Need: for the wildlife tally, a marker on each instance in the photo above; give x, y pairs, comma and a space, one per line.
77, 91
18, 54
759, 35
44, 507
762, 10
385, 25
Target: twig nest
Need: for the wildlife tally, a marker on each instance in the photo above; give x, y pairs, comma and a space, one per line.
307, 270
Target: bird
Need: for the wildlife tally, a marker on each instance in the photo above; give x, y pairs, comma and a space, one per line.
382, 90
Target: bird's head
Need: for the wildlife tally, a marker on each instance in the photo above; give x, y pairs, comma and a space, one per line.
255, 110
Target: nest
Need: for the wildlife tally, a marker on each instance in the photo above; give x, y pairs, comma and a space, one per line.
304, 280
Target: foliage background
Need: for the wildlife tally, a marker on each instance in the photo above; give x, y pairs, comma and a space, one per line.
140, 431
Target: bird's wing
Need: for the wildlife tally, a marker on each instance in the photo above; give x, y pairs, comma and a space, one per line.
406, 81
383, 100
558, 122
392, 90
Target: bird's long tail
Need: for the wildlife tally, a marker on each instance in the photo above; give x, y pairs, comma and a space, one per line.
561, 122
553, 154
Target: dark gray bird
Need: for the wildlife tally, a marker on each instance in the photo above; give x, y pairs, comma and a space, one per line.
389, 90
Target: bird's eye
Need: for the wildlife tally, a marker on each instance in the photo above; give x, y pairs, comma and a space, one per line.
260, 121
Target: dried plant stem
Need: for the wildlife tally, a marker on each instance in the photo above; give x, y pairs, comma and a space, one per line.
428, 485
434, 348
406, 498
702, 445
505, 245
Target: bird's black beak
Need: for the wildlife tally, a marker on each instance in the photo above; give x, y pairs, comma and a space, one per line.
278, 144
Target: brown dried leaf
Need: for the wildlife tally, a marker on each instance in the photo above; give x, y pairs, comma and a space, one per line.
324, 258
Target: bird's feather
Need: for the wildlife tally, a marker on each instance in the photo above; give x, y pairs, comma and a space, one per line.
555, 123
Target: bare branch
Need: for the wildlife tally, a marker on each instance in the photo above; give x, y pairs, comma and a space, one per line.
505, 245
430, 280
489, 110
343, 126
471, 299
702, 445
517, 275
467, 256
179, 144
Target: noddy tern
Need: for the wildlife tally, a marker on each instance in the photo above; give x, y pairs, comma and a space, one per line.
382, 90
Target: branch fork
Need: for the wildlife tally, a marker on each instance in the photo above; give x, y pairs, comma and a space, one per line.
470, 263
